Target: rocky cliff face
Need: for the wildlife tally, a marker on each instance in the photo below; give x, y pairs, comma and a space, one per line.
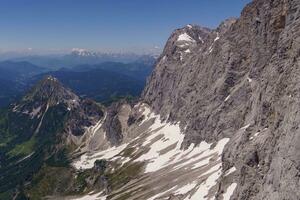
219, 119
241, 82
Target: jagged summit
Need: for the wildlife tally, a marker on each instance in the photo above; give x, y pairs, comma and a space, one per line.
47, 93
50, 89
50, 93
183, 42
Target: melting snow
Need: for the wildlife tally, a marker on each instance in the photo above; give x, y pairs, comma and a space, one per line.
210, 49
162, 144
95, 128
161, 194
231, 170
189, 26
245, 127
227, 98
92, 197
217, 38
169, 136
183, 45
204, 187
255, 135
200, 38
229, 191
187, 51
212, 45
185, 189
185, 37
87, 161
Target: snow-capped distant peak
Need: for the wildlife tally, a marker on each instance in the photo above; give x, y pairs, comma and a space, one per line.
79, 50
82, 52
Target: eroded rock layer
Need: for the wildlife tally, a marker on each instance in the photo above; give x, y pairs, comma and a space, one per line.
244, 74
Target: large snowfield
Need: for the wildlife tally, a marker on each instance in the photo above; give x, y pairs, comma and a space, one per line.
197, 168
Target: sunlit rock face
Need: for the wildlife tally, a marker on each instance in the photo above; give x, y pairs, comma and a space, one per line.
244, 74
218, 119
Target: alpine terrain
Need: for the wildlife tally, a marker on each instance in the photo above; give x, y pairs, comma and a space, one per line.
219, 118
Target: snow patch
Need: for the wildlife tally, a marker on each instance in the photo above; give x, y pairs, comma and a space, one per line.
185, 37
255, 135
185, 189
200, 38
169, 136
245, 127
181, 56
91, 197
87, 161
183, 45
189, 26
159, 147
210, 49
231, 170
217, 38
227, 98
212, 45
229, 191
205, 186
161, 194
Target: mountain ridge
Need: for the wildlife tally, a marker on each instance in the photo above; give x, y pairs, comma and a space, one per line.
238, 85
218, 119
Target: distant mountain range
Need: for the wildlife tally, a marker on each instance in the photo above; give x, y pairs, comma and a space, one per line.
13, 78
82, 56
99, 84
84, 73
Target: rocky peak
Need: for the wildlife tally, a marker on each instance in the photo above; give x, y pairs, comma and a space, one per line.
183, 41
51, 91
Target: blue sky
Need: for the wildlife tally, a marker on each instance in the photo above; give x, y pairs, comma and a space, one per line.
130, 25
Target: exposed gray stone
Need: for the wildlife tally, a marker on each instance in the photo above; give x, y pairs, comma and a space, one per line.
246, 72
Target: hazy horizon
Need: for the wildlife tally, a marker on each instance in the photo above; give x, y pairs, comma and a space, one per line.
55, 27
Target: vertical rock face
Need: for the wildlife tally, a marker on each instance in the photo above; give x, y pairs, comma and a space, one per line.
239, 81
235, 91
